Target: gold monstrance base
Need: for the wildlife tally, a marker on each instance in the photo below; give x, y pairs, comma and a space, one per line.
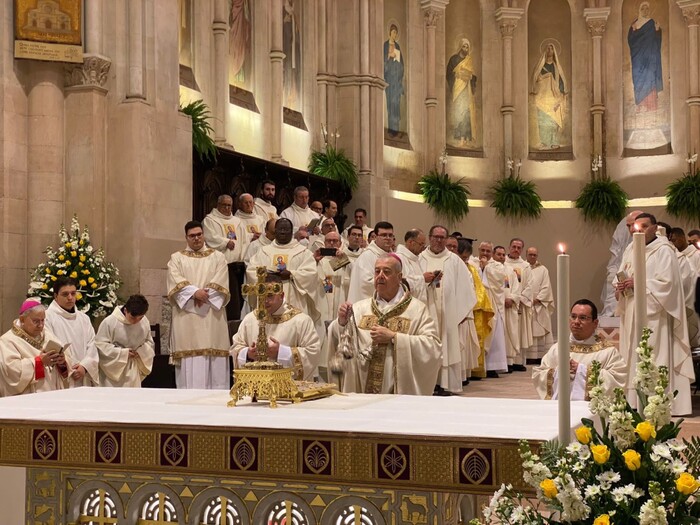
263, 380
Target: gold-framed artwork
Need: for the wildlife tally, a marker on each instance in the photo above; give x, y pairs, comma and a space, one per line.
49, 30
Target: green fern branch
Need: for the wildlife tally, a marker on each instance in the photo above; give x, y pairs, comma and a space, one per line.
446, 197
202, 142
515, 198
334, 164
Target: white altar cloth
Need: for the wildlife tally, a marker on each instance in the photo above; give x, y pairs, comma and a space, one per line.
455, 416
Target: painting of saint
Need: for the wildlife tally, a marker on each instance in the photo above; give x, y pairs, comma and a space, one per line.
644, 39
185, 34
461, 85
291, 45
549, 89
393, 76
239, 44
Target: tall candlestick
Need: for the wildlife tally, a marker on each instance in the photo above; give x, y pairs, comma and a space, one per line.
563, 346
639, 267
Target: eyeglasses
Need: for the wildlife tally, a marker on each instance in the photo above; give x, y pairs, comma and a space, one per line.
386, 235
582, 318
194, 235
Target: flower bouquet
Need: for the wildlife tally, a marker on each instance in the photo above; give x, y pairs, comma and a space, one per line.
633, 472
98, 280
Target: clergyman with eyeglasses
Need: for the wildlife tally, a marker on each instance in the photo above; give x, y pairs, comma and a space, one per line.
586, 347
197, 284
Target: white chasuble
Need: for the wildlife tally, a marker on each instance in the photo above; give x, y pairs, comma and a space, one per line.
511, 319
665, 317
265, 209
75, 328
362, 279
408, 365
199, 333
692, 256
413, 271
613, 371
300, 217
300, 347
451, 301
542, 307
251, 223
301, 290
493, 277
115, 337
18, 353
522, 269
219, 229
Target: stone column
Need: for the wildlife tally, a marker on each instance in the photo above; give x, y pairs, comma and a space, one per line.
276, 88
365, 130
322, 66
596, 19
219, 28
507, 18
45, 173
691, 13
137, 82
432, 12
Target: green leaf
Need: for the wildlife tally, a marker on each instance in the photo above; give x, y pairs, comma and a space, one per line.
692, 454
515, 198
602, 201
202, 142
334, 164
683, 196
446, 197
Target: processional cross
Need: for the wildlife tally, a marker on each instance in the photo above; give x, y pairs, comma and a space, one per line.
261, 290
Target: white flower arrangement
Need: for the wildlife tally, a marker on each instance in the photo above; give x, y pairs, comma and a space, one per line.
633, 472
98, 280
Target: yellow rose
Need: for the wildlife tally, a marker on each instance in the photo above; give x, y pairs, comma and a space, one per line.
73, 253
74, 274
78, 296
44, 286
60, 272
601, 453
61, 258
645, 430
603, 519
687, 484
80, 265
82, 258
549, 489
53, 278
68, 263
48, 270
583, 434
83, 282
91, 280
67, 245
632, 459
93, 285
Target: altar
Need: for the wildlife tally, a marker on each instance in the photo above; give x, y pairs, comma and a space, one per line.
156, 457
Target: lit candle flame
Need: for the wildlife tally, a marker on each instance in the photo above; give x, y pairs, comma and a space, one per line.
562, 248
637, 227
697, 245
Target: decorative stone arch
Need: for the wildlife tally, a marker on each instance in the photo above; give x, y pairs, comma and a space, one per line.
141, 495
87, 494
343, 510
205, 498
302, 513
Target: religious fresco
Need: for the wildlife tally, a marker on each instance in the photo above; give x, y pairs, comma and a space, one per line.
395, 71
645, 72
549, 81
463, 119
48, 30
292, 16
240, 43
185, 38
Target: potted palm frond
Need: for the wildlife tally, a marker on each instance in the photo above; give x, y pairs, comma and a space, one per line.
602, 200
514, 197
333, 163
447, 198
202, 142
683, 194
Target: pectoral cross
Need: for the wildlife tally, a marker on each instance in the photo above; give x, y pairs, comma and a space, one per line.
261, 290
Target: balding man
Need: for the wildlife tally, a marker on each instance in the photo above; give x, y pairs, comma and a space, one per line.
318, 241
252, 224
333, 277
416, 277
493, 276
542, 305
620, 240
301, 214
392, 343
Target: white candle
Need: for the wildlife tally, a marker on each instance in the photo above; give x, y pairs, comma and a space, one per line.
639, 267
563, 346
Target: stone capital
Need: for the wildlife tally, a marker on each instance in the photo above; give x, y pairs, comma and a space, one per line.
91, 73
691, 11
507, 18
596, 19
431, 16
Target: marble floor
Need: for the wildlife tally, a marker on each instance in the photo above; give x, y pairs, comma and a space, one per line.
519, 385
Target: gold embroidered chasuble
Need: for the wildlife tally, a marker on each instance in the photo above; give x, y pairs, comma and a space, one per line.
219, 229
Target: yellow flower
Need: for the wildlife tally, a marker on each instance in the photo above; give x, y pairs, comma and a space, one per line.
61, 258
60, 272
67, 245
583, 434
44, 286
687, 484
86, 272
78, 296
81, 242
632, 459
53, 278
73, 253
549, 489
74, 274
91, 280
93, 285
603, 519
80, 265
82, 258
601, 453
48, 270
68, 262
83, 282
645, 430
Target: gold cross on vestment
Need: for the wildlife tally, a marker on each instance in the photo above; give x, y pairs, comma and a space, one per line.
261, 290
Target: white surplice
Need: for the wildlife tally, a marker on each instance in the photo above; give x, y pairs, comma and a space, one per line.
251, 223
300, 347
265, 209
362, 279
409, 365
115, 337
522, 269
412, 271
691, 256
75, 328
18, 353
541, 287
620, 240
199, 334
511, 319
300, 217
613, 371
450, 302
493, 277
366, 230
219, 229
665, 317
